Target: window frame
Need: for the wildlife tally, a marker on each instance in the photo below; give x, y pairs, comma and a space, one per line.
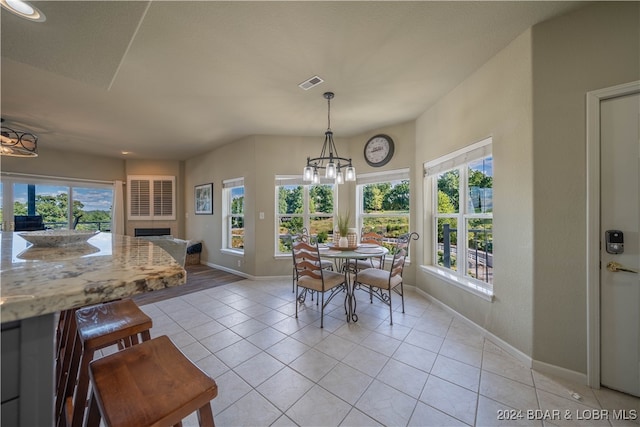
296, 180
380, 178
458, 160
227, 215
71, 185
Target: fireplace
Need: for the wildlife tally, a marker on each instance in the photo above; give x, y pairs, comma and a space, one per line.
141, 232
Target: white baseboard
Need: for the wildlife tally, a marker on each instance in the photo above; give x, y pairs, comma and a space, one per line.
542, 367
229, 270
245, 275
522, 357
557, 371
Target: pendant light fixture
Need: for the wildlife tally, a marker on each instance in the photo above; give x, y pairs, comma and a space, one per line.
17, 144
335, 167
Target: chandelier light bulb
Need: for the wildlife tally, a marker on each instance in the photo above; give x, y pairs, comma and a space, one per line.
350, 174
307, 174
330, 172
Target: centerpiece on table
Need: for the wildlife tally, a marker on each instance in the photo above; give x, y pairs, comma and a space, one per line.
345, 237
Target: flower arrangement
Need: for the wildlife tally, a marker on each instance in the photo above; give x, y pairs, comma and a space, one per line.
343, 223
343, 229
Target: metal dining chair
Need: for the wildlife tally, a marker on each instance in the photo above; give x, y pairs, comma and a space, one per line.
304, 236
372, 238
311, 277
380, 283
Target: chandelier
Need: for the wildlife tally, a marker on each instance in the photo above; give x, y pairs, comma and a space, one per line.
18, 144
335, 167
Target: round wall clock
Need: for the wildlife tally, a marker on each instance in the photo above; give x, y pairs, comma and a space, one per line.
378, 150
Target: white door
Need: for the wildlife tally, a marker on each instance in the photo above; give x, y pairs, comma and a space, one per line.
620, 210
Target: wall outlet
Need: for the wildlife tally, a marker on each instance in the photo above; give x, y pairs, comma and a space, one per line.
261, 215
239, 263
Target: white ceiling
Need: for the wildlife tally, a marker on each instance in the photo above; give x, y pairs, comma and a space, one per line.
174, 79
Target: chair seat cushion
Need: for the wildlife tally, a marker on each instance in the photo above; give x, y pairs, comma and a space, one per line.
363, 264
331, 280
377, 278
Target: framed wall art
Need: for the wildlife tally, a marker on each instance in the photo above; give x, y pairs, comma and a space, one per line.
204, 199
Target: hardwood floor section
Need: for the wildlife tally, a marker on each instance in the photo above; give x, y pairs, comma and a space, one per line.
199, 277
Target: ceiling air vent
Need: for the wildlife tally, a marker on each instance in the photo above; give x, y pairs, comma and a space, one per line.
309, 83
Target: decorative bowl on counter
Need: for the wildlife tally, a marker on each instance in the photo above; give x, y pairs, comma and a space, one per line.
54, 238
57, 253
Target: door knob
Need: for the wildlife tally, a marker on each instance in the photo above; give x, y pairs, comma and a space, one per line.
615, 267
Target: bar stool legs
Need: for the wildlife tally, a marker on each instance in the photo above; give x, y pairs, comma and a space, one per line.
91, 329
150, 384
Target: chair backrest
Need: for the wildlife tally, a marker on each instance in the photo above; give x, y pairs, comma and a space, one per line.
401, 252
306, 259
397, 265
302, 236
371, 237
404, 241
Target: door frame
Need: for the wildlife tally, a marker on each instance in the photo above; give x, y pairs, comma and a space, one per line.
593, 222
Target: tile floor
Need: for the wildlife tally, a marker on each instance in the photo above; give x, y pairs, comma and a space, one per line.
428, 369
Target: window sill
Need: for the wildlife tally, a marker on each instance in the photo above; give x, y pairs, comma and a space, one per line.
462, 283
234, 252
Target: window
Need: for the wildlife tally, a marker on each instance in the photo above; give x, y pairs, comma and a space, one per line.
461, 185
233, 214
383, 203
62, 205
302, 205
151, 197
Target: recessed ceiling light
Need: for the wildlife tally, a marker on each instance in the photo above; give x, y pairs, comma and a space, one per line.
23, 9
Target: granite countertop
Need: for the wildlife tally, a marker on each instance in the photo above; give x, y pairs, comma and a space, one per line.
41, 280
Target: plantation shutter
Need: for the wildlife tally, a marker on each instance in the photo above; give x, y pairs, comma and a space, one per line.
151, 197
139, 200
163, 198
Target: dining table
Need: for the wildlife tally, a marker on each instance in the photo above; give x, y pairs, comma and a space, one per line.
343, 259
40, 281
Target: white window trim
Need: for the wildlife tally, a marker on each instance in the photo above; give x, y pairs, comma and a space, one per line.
283, 180
375, 178
431, 170
227, 185
463, 283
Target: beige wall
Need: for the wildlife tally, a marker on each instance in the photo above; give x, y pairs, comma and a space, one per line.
235, 160
51, 162
592, 48
531, 99
259, 159
495, 101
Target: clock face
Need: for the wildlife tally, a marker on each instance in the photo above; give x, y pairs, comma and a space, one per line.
378, 150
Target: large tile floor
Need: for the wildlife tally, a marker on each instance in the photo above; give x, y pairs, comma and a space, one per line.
428, 369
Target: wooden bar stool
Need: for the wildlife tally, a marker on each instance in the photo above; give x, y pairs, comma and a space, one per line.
96, 327
65, 338
150, 384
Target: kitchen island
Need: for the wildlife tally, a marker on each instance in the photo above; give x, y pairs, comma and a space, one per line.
36, 283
